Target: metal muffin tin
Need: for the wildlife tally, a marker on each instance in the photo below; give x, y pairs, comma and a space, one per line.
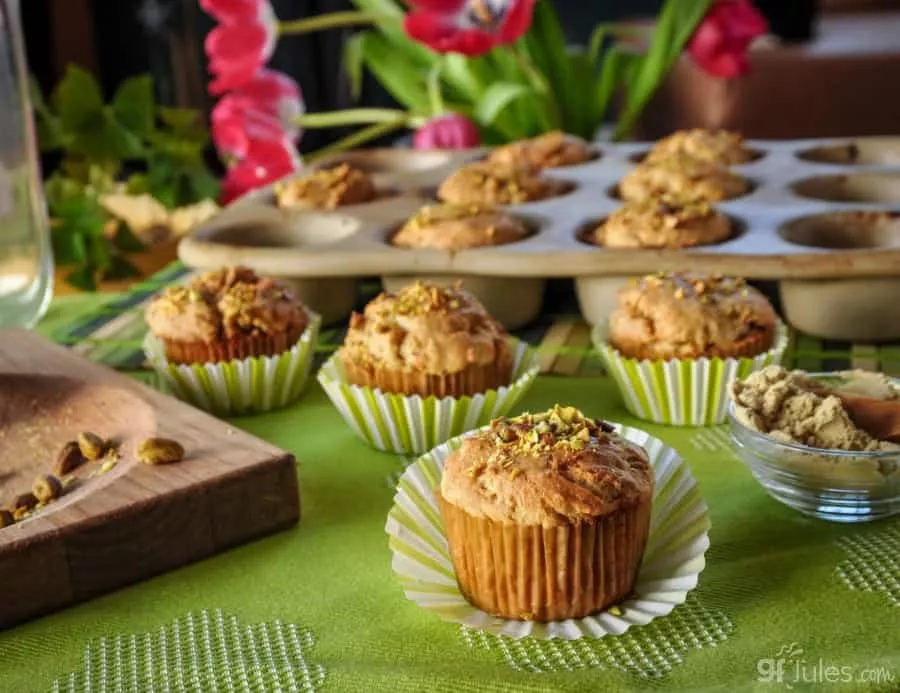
839, 273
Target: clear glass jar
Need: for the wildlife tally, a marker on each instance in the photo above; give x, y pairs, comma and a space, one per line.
26, 259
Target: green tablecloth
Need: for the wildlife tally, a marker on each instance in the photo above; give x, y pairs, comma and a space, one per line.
317, 607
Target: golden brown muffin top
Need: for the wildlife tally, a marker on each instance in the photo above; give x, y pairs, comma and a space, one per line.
327, 188
489, 183
713, 146
451, 226
548, 469
226, 303
664, 222
683, 177
424, 328
550, 150
685, 315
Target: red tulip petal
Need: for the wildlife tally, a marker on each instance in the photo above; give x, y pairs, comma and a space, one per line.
233, 11
237, 52
439, 33
517, 21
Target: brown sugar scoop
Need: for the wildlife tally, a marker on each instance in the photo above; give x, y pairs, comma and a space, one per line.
877, 417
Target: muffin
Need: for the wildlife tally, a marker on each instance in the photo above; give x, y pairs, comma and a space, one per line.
452, 227
663, 223
498, 184
550, 150
711, 146
682, 177
691, 316
227, 314
546, 515
327, 188
427, 340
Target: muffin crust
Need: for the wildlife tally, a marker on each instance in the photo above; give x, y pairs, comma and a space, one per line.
689, 316
713, 146
550, 150
426, 329
452, 227
225, 304
498, 184
663, 223
327, 188
553, 468
682, 177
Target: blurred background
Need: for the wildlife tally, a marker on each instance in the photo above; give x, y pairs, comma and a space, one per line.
115, 39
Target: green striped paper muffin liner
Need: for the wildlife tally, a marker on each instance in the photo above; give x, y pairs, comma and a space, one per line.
681, 392
412, 425
242, 386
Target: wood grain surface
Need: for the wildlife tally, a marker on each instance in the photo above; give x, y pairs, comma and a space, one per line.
131, 521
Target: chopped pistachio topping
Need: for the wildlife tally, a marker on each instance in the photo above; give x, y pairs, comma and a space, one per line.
448, 211
559, 428
420, 298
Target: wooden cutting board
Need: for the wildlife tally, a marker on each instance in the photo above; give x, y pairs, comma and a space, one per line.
133, 520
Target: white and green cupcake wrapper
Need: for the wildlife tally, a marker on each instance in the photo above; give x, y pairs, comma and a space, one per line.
412, 425
681, 392
673, 558
242, 386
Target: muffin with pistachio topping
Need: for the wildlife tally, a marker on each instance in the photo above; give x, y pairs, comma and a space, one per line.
550, 150
691, 316
715, 146
677, 340
327, 188
452, 226
427, 340
556, 489
231, 342
485, 182
664, 222
227, 314
684, 177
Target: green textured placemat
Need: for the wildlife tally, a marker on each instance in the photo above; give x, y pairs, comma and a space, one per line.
785, 600
317, 607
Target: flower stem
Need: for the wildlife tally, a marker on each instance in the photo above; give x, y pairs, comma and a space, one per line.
435, 97
350, 116
358, 138
333, 20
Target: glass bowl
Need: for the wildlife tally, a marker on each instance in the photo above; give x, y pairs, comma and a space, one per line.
834, 485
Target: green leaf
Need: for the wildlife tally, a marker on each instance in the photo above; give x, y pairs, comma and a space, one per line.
610, 79
83, 279
137, 184
353, 64
595, 45
78, 100
120, 268
392, 29
546, 37
203, 185
133, 105
674, 28
498, 98
100, 254
68, 248
402, 79
126, 241
49, 128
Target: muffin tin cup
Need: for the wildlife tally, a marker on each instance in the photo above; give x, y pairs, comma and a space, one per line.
513, 302
673, 557
412, 425
681, 392
246, 386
